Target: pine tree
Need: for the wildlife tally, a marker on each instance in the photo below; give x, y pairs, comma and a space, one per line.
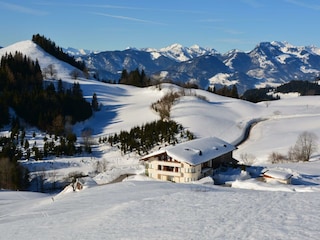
234, 92
94, 102
124, 77
60, 87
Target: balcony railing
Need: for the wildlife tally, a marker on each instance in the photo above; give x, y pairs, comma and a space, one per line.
169, 164
170, 173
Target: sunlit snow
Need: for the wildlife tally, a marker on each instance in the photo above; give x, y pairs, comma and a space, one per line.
142, 208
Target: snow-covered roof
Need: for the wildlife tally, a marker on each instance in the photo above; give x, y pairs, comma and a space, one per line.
277, 174
155, 153
196, 151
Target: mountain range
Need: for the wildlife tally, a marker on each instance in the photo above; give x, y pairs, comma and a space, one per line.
269, 63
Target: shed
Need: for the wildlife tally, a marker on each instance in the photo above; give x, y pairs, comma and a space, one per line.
277, 175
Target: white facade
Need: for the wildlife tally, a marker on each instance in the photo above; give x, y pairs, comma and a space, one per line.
189, 161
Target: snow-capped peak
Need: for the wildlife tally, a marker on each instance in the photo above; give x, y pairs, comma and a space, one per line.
281, 44
196, 46
78, 52
313, 49
172, 47
180, 53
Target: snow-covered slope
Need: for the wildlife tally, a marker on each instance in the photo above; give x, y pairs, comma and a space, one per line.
123, 107
155, 210
147, 209
35, 52
286, 119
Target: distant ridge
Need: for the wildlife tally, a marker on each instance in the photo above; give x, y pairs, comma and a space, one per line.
268, 64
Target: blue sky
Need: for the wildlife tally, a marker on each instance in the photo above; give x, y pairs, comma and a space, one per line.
118, 24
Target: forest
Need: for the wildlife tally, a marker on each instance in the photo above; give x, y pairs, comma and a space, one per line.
22, 88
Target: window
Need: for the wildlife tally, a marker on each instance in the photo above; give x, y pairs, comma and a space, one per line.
168, 168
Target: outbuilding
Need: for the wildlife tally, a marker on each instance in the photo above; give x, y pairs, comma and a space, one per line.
277, 175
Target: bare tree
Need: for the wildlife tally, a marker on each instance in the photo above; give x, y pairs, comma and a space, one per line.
50, 71
247, 159
75, 74
163, 106
101, 166
304, 147
276, 157
86, 135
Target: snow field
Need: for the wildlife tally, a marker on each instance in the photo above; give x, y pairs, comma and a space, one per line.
158, 210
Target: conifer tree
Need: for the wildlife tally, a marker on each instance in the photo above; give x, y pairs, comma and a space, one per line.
234, 92
94, 102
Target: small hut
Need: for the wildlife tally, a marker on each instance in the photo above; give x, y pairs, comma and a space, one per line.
277, 175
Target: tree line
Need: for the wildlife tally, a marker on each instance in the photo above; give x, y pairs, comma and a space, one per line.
135, 78
225, 91
50, 47
142, 139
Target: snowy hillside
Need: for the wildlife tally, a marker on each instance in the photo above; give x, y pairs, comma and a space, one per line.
35, 52
141, 208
